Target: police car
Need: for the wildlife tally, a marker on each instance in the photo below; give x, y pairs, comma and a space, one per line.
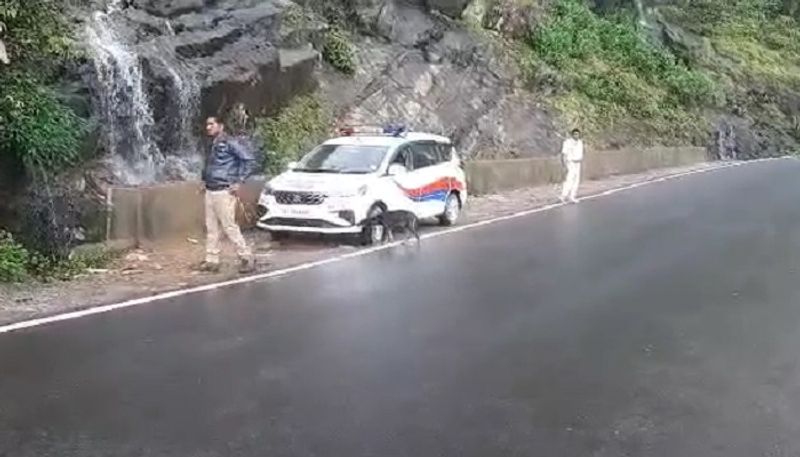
348, 180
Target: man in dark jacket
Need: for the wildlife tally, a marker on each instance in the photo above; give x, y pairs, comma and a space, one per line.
227, 167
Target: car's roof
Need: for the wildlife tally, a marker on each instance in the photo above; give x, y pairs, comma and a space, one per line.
387, 140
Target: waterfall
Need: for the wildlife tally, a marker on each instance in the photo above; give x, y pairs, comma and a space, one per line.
127, 116
139, 151
640, 12
187, 89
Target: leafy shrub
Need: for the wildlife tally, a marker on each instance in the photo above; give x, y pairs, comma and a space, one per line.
338, 51
294, 131
18, 263
35, 29
13, 259
35, 128
52, 268
294, 16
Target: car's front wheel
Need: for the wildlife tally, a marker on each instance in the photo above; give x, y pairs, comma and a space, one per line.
373, 234
452, 210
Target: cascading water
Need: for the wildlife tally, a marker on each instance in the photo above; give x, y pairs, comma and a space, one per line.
127, 116
137, 154
640, 12
187, 89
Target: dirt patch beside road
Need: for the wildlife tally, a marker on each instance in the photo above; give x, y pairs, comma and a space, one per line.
168, 267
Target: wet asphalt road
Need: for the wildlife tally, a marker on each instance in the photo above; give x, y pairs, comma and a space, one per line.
663, 321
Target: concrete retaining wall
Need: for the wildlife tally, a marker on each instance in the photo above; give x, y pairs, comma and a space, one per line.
175, 211
491, 176
169, 211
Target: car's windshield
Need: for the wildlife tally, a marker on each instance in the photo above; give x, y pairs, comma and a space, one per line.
343, 158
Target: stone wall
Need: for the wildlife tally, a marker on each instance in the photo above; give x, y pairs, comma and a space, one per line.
169, 211
175, 211
489, 176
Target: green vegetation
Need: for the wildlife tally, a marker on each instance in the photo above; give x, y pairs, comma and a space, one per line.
337, 42
13, 259
38, 133
53, 268
758, 42
294, 131
338, 50
607, 73
18, 264
610, 73
295, 16
37, 129
35, 30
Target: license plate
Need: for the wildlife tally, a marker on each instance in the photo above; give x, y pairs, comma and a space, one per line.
297, 212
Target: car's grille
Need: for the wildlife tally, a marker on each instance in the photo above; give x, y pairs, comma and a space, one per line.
310, 223
299, 198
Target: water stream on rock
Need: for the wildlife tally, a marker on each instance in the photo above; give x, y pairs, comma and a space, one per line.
125, 108
640, 12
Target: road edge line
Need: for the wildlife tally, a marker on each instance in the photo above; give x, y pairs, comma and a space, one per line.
103, 309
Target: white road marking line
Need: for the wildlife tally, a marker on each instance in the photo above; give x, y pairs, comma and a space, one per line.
360, 253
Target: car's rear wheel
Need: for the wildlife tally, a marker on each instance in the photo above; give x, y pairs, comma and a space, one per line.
452, 210
373, 234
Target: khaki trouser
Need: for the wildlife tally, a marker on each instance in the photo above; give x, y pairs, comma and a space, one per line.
572, 181
221, 217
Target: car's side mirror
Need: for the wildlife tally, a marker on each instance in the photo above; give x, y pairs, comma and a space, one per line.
396, 169
291, 166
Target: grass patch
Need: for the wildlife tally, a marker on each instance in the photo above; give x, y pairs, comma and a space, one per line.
761, 44
610, 73
300, 126
764, 52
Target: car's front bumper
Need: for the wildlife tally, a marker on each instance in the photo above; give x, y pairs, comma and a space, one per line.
334, 216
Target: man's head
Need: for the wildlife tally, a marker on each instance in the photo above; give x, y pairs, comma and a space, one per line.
576, 134
214, 127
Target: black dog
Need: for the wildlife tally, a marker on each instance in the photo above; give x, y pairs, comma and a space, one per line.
396, 221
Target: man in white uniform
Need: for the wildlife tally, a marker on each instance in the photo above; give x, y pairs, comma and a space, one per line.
572, 154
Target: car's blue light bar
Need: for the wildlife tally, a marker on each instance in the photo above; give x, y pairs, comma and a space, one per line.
395, 130
388, 130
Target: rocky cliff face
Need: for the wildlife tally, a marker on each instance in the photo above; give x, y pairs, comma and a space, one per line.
434, 74
159, 66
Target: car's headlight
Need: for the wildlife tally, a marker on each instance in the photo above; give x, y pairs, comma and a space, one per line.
268, 190
363, 190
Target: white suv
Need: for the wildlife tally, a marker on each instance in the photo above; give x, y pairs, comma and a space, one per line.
345, 181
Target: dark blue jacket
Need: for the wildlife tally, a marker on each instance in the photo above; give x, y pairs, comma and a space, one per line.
230, 162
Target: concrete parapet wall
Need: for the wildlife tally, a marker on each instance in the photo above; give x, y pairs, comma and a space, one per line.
163, 212
490, 176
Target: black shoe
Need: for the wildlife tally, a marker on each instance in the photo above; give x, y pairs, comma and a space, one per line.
247, 266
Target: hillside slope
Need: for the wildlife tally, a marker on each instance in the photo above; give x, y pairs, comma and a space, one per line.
716, 72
